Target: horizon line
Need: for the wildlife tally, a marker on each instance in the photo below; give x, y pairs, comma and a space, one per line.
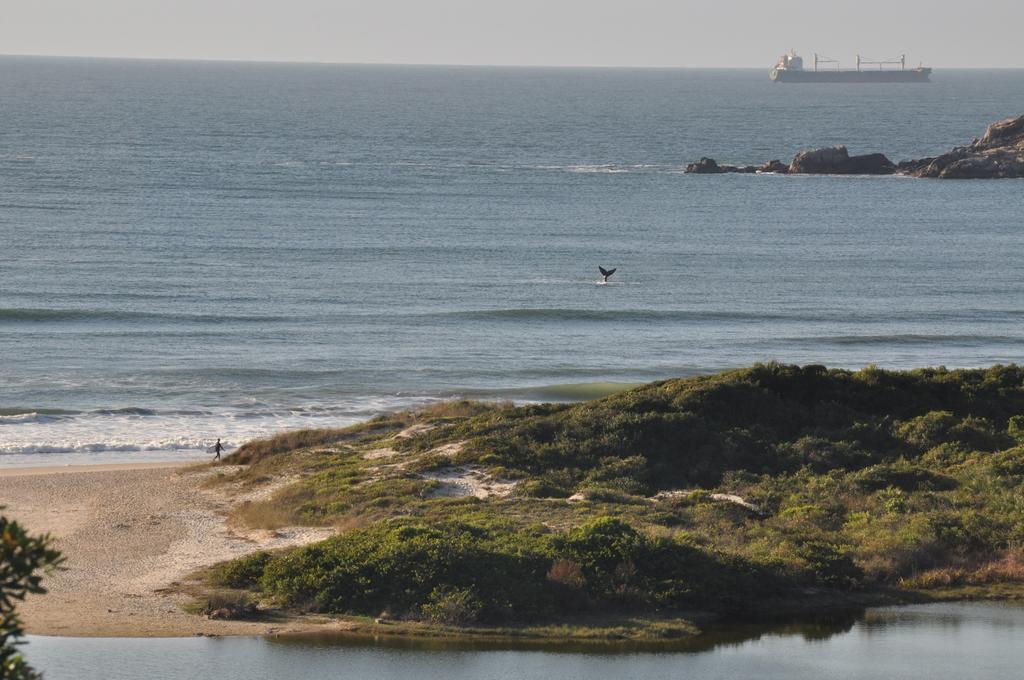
252, 60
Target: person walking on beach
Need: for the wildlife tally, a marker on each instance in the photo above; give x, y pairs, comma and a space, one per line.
218, 447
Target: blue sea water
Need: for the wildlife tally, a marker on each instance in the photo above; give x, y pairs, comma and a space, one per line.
194, 249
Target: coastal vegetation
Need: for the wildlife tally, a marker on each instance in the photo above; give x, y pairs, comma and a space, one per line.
23, 558
763, 489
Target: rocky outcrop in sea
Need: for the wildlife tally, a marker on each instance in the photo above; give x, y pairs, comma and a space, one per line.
836, 160
998, 154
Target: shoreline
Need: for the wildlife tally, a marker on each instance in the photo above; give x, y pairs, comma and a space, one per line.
21, 461
133, 535
71, 468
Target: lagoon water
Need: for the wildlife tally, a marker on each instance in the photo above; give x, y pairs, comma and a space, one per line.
953, 641
193, 250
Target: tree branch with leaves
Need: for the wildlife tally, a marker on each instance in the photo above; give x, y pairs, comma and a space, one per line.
23, 561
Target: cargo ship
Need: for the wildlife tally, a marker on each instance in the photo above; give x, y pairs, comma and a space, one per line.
790, 69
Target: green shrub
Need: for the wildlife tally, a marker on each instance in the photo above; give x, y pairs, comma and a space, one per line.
979, 433
22, 559
893, 499
625, 475
904, 477
541, 488
804, 518
890, 546
399, 566
244, 572
458, 573
452, 606
832, 566
944, 455
1008, 464
928, 430
1015, 428
603, 549
619, 564
610, 494
940, 427
822, 455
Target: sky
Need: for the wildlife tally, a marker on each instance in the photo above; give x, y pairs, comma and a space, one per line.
666, 33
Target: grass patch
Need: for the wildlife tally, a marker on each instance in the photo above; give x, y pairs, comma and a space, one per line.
259, 449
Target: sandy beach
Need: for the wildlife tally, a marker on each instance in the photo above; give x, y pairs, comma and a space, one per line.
131, 535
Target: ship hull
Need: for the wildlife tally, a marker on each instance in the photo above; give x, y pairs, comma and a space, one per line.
917, 75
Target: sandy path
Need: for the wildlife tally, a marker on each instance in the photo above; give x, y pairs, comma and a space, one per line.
128, 533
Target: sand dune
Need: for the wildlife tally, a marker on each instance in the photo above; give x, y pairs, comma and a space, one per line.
131, 534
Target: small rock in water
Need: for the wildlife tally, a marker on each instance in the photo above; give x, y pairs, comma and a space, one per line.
708, 166
776, 166
705, 166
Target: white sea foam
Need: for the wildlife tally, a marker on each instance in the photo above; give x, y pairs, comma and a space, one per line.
32, 417
134, 433
99, 447
114, 432
607, 168
126, 434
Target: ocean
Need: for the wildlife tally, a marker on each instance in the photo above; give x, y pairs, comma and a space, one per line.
193, 250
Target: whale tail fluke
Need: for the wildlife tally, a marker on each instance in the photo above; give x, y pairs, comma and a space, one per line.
605, 272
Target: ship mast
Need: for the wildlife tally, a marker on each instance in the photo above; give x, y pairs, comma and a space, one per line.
818, 59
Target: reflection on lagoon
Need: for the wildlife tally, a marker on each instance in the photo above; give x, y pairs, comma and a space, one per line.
820, 627
952, 640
